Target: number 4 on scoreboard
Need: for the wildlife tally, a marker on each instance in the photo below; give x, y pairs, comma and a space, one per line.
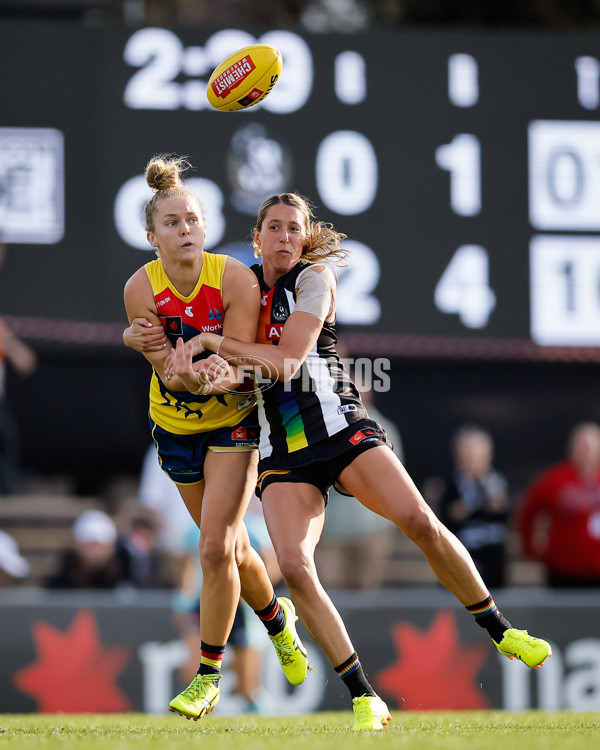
463, 288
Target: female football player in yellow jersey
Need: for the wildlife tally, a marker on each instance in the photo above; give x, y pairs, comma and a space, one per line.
206, 443
315, 432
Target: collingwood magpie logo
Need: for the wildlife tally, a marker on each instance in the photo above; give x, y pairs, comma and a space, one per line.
279, 312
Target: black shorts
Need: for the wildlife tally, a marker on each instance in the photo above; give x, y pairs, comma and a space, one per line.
321, 464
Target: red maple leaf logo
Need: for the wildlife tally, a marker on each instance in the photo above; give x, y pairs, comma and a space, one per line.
74, 673
433, 671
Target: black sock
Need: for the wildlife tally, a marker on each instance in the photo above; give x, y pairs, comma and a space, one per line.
488, 616
354, 678
273, 617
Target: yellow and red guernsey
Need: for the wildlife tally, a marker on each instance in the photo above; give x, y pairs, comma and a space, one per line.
181, 412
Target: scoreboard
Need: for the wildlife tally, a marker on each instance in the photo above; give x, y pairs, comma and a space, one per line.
464, 168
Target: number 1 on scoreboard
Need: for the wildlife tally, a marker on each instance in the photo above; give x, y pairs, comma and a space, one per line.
565, 290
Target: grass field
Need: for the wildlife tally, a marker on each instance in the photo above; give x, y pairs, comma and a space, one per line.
483, 730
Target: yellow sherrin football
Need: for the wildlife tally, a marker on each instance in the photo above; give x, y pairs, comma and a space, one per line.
244, 78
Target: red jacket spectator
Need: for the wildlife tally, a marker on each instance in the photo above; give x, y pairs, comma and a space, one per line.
559, 518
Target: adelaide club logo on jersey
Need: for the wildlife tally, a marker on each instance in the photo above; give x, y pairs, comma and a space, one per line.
215, 324
368, 433
172, 324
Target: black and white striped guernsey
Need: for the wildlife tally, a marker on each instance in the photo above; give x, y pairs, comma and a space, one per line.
321, 399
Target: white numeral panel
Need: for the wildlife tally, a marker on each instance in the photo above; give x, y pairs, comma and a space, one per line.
565, 290
564, 175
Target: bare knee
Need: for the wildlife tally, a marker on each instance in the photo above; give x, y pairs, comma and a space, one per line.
298, 571
421, 527
214, 552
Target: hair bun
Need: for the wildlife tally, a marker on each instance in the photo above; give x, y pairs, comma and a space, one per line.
164, 172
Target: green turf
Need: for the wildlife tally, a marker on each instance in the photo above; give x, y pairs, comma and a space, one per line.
483, 730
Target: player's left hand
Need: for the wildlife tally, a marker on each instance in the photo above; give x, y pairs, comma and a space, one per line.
213, 368
194, 376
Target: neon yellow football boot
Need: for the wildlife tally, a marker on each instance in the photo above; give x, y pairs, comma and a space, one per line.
290, 651
370, 712
518, 644
199, 698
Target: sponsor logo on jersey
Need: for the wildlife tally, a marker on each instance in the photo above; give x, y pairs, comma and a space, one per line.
368, 433
245, 433
162, 302
214, 314
212, 329
173, 324
189, 311
264, 299
346, 408
273, 331
248, 401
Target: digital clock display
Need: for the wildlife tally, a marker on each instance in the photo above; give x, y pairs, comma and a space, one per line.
464, 168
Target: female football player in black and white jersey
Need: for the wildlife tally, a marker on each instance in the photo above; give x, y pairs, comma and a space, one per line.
316, 432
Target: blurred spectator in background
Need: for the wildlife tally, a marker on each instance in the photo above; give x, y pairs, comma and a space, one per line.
23, 359
314, 15
145, 565
559, 518
93, 562
356, 544
475, 503
357, 15
12, 564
